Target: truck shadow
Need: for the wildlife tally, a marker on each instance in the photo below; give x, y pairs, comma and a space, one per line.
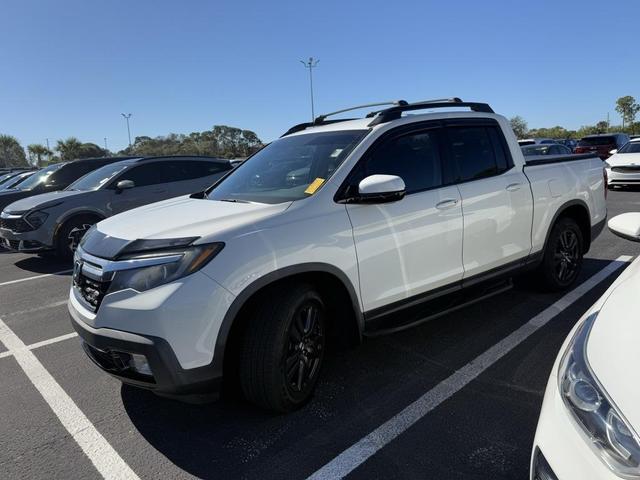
360, 388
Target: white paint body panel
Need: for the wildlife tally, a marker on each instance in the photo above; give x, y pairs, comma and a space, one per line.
612, 350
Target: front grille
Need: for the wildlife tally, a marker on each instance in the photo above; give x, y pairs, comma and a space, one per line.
626, 169
17, 225
11, 244
91, 291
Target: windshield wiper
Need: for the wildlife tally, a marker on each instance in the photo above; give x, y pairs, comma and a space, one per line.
233, 200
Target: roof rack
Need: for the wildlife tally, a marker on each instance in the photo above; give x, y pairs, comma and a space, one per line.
322, 119
395, 112
392, 113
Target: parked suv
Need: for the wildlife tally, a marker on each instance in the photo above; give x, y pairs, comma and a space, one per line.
602, 144
336, 230
58, 220
54, 177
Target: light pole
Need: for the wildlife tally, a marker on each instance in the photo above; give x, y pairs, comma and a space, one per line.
311, 64
105, 144
127, 117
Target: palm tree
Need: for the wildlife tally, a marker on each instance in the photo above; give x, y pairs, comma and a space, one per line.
37, 150
69, 149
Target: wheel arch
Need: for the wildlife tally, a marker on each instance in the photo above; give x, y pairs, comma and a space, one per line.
579, 211
333, 284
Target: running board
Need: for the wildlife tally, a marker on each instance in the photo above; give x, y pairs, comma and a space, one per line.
415, 315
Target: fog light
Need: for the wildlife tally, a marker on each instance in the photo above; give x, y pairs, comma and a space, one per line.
140, 364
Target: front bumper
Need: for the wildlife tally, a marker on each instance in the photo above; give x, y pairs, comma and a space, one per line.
34, 241
562, 442
623, 178
110, 350
175, 326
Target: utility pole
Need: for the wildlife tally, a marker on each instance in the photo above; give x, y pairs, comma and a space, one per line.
105, 144
48, 151
127, 117
311, 64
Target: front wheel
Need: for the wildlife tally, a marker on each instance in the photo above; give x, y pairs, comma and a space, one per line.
563, 256
283, 348
69, 235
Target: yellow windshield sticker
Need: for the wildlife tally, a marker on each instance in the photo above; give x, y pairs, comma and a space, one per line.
313, 186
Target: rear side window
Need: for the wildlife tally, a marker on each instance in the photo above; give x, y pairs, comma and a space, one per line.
597, 141
71, 172
479, 152
414, 157
176, 171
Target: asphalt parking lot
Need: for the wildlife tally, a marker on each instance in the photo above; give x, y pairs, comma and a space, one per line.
457, 397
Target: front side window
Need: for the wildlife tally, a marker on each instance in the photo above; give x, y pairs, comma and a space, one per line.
291, 168
142, 175
631, 147
180, 170
414, 157
473, 151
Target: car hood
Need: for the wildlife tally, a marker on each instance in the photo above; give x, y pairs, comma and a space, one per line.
185, 217
44, 200
612, 347
623, 159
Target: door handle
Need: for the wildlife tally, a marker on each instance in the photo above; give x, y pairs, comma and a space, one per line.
445, 204
514, 187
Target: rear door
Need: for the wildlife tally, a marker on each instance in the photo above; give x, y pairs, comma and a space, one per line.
414, 245
497, 204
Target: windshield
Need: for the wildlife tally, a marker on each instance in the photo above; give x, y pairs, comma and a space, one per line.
536, 150
98, 178
13, 182
39, 177
631, 147
291, 168
596, 141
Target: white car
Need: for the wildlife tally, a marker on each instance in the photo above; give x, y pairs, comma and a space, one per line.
340, 228
590, 419
623, 166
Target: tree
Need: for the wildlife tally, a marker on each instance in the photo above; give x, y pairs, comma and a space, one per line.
11, 152
220, 141
519, 126
628, 109
602, 126
38, 151
89, 150
69, 149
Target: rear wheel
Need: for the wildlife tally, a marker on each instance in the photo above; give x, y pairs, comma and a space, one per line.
283, 348
562, 259
69, 235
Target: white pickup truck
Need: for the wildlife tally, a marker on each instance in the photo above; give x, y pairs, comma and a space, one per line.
339, 229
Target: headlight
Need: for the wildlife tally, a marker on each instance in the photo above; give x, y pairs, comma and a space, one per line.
36, 219
609, 434
167, 266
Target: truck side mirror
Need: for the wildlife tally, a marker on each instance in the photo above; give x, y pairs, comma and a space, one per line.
380, 189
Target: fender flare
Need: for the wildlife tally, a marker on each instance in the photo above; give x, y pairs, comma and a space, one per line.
248, 292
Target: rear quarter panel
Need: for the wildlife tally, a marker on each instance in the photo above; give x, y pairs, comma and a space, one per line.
555, 185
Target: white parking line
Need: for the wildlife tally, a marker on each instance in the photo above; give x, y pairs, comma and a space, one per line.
37, 309
93, 444
11, 282
358, 453
43, 343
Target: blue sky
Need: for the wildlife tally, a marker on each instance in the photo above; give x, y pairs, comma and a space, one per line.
71, 67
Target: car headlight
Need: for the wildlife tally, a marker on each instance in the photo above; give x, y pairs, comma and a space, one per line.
162, 267
36, 219
609, 434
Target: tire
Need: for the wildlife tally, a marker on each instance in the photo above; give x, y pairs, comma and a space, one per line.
282, 349
563, 256
69, 235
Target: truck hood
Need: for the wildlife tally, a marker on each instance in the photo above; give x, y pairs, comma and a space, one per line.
44, 200
612, 347
185, 217
624, 159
